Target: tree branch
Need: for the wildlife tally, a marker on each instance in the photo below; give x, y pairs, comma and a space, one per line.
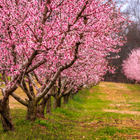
25, 89
19, 99
46, 97
30, 85
36, 66
60, 69
80, 13
67, 91
37, 79
33, 83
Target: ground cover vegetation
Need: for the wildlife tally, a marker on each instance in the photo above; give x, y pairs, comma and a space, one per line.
53, 48
106, 111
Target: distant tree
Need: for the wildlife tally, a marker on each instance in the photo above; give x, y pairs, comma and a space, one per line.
132, 33
131, 66
116, 59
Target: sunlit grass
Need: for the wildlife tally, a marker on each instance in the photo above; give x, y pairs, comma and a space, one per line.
84, 117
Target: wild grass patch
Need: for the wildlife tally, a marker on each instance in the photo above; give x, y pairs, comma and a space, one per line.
84, 117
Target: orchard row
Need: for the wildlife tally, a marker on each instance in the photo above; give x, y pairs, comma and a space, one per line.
53, 48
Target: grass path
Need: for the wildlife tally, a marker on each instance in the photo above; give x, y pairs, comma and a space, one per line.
105, 112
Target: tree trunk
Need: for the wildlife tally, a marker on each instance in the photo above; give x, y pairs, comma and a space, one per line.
40, 111
32, 110
48, 106
73, 94
6, 118
57, 103
46, 101
66, 98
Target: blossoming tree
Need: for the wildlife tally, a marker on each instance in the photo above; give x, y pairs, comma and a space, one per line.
131, 66
50, 34
71, 79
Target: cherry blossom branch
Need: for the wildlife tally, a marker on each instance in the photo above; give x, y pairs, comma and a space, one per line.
36, 66
60, 69
80, 13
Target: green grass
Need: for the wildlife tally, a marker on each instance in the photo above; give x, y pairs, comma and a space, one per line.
82, 118
133, 87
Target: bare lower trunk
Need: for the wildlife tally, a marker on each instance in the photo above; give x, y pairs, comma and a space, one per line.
31, 111
57, 103
73, 94
6, 118
48, 106
66, 98
40, 111
46, 101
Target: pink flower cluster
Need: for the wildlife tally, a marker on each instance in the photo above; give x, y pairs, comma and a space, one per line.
53, 28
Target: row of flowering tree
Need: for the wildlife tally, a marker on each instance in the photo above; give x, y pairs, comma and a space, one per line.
60, 44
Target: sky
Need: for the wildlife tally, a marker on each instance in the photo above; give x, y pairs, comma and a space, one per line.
132, 6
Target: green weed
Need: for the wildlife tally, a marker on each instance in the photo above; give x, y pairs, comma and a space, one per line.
82, 118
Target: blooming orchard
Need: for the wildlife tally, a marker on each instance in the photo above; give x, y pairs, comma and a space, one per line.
43, 38
52, 28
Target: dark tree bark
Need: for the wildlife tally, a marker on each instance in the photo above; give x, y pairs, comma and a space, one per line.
57, 103
31, 110
66, 98
40, 111
41, 107
44, 102
6, 117
48, 106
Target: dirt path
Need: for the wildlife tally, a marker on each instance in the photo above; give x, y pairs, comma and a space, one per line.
122, 111
124, 97
14, 104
